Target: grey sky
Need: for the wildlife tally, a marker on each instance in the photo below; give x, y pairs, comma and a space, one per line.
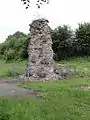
14, 17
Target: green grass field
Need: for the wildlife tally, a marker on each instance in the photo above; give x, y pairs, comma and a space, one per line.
82, 67
6, 69
60, 100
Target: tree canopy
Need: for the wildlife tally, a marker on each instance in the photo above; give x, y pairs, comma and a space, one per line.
66, 43
15, 47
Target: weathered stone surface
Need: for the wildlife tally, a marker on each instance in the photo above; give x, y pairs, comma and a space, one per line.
41, 63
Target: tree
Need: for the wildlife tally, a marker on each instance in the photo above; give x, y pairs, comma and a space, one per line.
62, 42
83, 39
15, 47
38, 3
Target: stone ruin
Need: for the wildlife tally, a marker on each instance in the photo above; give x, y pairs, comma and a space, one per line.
41, 65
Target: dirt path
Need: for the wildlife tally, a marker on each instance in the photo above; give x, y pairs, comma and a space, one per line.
13, 90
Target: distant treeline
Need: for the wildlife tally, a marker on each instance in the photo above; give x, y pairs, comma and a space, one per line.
66, 43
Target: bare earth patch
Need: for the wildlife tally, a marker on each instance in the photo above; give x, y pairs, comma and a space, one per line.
82, 87
15, 91
85, 87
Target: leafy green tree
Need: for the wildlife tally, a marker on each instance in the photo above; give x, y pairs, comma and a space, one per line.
83, 39
15, 47
9, 55
62, 42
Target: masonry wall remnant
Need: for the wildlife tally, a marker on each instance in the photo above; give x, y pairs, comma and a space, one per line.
41, 63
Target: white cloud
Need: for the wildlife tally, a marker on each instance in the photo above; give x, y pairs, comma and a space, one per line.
14, 16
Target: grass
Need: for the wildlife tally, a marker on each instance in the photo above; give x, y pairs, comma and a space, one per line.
6, 69
60, 100
82, 66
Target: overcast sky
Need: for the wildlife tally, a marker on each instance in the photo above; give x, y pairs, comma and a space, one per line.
14, 17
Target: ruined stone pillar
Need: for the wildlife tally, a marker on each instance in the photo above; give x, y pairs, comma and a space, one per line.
40, 52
